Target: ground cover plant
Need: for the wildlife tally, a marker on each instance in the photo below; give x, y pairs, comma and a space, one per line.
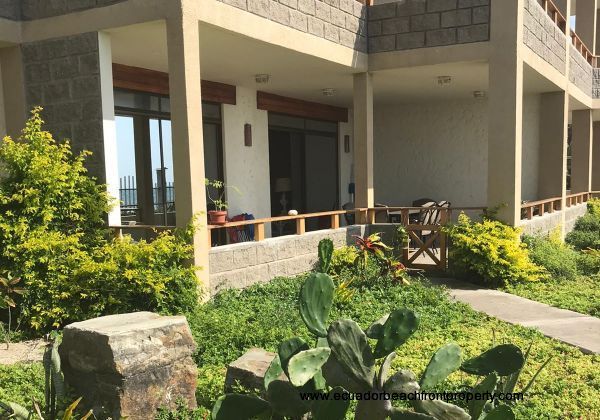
574, 280
265, 315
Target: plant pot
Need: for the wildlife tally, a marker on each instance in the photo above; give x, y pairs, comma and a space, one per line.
217, 217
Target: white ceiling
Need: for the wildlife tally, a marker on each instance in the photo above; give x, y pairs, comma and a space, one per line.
232, 58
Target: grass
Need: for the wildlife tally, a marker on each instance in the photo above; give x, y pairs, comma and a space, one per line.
581, 294
264, 315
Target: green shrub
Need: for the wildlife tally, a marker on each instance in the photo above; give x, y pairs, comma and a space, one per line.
343, 260
586, 233
559, 259
53, 236
491, 251
593, 206
589, 262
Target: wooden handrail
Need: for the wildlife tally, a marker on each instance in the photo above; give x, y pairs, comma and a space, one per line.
279, 219
550, 205
555, 14
584, 50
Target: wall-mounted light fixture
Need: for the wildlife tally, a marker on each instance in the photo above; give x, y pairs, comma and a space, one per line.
347, 143
247, 135
262, 78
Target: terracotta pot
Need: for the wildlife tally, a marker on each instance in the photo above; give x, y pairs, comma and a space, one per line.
217, 217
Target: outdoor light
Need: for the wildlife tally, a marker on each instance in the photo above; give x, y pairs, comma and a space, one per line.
262, 78
347, 144
444, 80
328, 92
247, 135
478, 94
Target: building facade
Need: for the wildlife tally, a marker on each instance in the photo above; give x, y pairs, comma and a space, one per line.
310, 105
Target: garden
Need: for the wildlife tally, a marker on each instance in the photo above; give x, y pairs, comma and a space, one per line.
359, 322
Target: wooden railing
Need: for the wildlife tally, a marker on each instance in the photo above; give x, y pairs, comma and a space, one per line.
584, 50
555, 14
117, 231
560, 21
300, 219
539, 208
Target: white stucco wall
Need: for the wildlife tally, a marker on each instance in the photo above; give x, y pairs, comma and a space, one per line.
436, 150
531, 147
247, 168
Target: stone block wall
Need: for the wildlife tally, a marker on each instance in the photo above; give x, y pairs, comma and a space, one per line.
596, 83
242, 265
339, 21
580, 71
10, 9
63, 76
410, 24
544, 225
39, 9
543, 37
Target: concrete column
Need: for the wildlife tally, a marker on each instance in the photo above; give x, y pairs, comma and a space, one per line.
586, 15
363, 140
596, 157
581, 150
13, 90
554, 119
505, 110
109, 127
186, 116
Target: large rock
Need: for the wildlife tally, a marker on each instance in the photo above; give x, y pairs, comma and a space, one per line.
249, 370
130, 365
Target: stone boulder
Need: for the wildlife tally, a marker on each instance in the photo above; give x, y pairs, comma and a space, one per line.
249, 370
130, 365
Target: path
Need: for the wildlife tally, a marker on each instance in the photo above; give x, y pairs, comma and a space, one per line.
579, 330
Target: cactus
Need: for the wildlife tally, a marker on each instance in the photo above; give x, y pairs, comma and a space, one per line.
325, 255
350, 347
445, 361
441, 410
285, 400
503, 359
289, 348
273, 372
398, 414
384, 370
305, 365
239, 406
403, 381
375, 331
400, 325
316, 297
487, 385
331, 409
501, 412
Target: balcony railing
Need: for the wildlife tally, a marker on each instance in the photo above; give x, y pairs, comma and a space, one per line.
532, 209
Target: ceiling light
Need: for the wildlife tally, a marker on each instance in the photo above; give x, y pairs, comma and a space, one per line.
479, 94
262, 78
328, 91
444, 80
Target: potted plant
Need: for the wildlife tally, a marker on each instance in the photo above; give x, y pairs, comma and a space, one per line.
215, 191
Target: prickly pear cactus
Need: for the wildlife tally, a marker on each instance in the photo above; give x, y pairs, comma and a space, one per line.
325, 255
503, 359
349, 345
399, 326
316, 298
306, 364
445, 361
239, 406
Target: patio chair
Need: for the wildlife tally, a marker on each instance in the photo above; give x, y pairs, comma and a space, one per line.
433, 218
421, 202
383, 215
350, 217
239, 234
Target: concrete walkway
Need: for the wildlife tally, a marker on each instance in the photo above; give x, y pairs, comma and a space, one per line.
582, 331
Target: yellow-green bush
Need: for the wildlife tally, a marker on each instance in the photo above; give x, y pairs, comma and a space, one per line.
490, 252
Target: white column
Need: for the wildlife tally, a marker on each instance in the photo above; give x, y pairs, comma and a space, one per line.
108, 125
363, 140
596, 157
506, 110
188, 148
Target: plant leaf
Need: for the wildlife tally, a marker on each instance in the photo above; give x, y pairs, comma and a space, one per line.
239, 406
